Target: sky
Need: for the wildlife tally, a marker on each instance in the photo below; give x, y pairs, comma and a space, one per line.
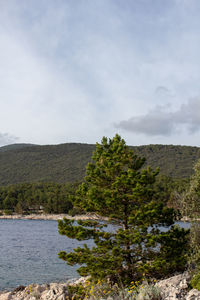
78, 70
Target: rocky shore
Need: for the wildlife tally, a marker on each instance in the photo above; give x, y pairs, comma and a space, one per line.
55, 217
51, 217
174, 288
51, 291
177, 287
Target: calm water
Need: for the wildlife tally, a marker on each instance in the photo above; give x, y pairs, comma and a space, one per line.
28, 253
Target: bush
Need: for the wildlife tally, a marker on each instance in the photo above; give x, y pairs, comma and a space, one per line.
191, 209
195, 282
8, 212
103, 290
76, 211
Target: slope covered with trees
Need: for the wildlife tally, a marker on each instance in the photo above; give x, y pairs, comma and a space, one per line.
66, 162
51, 163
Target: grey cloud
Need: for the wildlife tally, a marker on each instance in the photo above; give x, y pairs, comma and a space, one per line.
161, 89
6, 138
189, 114
160, 122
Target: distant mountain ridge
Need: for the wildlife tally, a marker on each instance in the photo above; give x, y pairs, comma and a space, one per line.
15, 146
66, 162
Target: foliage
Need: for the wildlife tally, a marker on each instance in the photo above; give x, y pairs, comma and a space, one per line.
170, 190
191, 209
191, 206
173, 161
195, 282
8, 212
76, 292
76, 211
103, 290
29, 198
136, 290
52, 163
66, 162
118, 187
194, 258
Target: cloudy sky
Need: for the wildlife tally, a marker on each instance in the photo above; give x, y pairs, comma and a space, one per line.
77, 70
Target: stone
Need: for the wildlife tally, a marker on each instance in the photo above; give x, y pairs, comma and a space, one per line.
173, 288
193, 295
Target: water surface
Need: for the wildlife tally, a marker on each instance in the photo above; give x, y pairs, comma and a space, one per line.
29, 253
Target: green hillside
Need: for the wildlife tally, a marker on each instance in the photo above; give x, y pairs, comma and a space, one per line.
174, 161
66, 162
15, 147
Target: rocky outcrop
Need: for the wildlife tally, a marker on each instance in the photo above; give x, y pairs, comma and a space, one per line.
52, 291
174, 288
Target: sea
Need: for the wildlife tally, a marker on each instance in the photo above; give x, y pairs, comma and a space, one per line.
29, 253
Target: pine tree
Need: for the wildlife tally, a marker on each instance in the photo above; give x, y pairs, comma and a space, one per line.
117, 186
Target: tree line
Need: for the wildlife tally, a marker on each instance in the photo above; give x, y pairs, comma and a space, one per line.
36, 197
58, 198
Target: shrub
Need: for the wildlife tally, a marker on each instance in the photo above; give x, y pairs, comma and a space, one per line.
195, 282
8, 212
103, 290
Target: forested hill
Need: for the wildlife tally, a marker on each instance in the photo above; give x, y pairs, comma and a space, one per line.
66, 162
15, 147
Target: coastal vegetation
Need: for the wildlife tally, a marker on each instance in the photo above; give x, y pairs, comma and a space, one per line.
118, 186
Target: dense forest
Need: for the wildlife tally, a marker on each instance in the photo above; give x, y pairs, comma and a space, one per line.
20, 163
53, 198
33, 198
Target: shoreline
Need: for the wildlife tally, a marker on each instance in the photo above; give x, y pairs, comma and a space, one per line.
53, 217
68, 281
56, 217
175, 287
37, 289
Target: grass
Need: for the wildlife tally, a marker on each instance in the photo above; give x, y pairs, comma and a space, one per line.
103, 290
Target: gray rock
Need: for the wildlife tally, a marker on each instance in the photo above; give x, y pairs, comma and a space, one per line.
174, 288
54, 291
193, 295
57, 291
